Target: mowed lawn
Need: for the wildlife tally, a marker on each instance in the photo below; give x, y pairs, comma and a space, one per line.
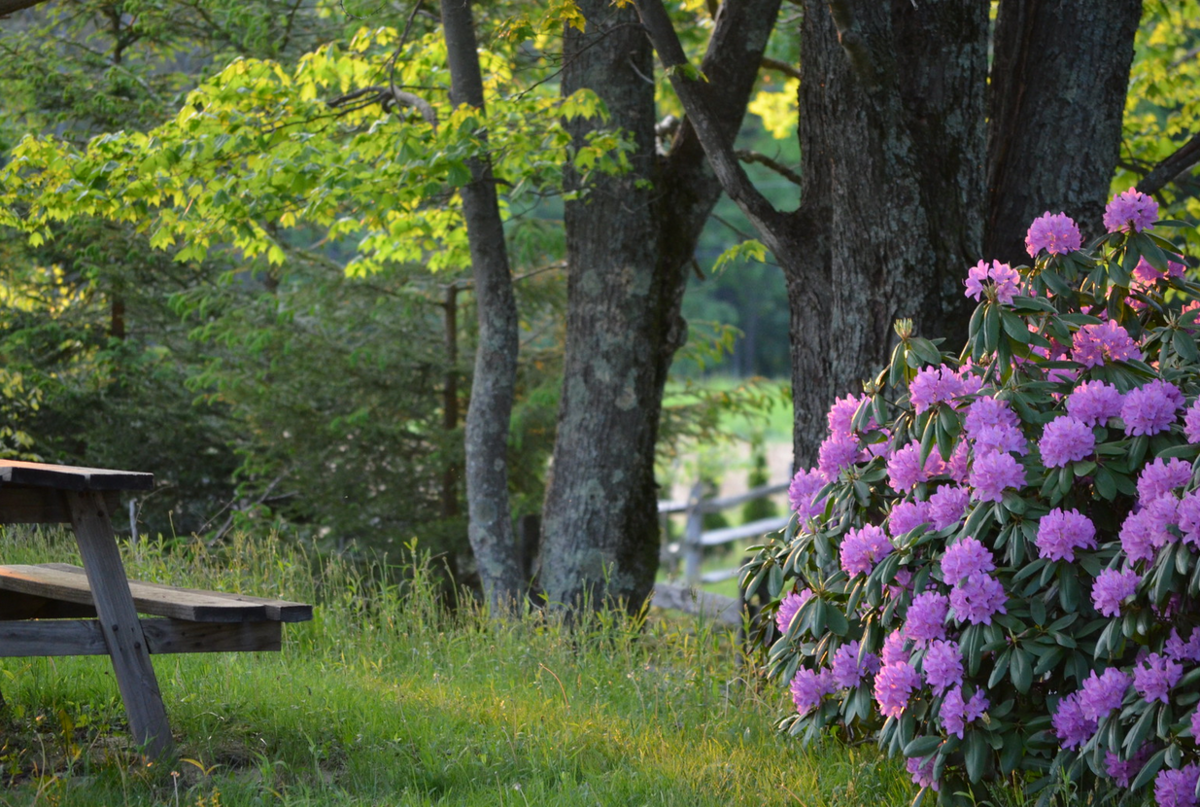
388, 698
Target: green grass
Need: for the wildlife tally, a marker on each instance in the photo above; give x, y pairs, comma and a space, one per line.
386, 698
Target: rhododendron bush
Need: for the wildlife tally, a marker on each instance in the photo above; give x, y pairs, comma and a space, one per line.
993, 566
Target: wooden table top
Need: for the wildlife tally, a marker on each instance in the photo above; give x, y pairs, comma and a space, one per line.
68, 477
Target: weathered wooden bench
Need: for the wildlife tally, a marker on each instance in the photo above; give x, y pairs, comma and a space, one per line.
56, 609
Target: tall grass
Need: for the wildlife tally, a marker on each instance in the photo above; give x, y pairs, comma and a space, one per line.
387, 697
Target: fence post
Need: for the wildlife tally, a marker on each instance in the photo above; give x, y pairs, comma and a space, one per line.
693, 551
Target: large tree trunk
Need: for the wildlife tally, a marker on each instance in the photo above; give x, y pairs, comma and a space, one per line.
1060, 75
490, 528
628, 241
891, 138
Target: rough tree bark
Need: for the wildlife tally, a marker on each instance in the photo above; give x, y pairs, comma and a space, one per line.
490, 529
629, 239
1060, 74
892, 166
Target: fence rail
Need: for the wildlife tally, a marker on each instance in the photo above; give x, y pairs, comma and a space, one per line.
690, 548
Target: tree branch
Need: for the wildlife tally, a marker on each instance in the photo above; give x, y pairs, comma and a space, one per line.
1167, 171
737, 185
782, 67
386, 96
12, 6
747, 156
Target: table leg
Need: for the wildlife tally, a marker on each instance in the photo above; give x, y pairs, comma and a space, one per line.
119, 619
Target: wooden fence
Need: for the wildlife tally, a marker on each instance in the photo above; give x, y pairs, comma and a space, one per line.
689, 550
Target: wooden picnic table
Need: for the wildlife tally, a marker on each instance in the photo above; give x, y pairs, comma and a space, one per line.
55, 609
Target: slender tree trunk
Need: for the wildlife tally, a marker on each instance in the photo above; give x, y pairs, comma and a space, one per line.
1060, 75
629, 239
490, 527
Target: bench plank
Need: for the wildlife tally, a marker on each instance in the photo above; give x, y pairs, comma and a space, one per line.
70, 477
276, 610
63, 637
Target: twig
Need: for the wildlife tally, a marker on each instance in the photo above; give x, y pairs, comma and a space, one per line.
747, 156
782, 67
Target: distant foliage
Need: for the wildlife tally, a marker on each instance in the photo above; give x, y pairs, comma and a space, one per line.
993, 568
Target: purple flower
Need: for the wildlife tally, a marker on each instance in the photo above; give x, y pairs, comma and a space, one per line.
1145, 275
1102, 693
802, 494
906, 517
1150, 409
1155, 676
1195, 725
1005, 281
1184, 651
1054, 232
1092, 345
1111, 588
933, 385
893, 648
1061, 533
986, 412
947, 506
863, 548
789, 607
999, 438
959, 467
1130, 212
1177, 788
956, 714
978, 599
1066, 440
905, 469
894, 684
1191, 422
837, 452
1138, 536
1094, 402
809, 687
992, 473
848, 671
921, 771
1161, 477
1124, 772
1189, 518
841, 414
1072, 728
1161, 514
943, 666
926, 617
964, 558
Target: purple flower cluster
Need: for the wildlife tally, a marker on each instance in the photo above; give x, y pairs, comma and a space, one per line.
942, 665
841, 414
893, 651
1094, 402
964, 558
1101, 694
1195, 726
999, 438
921, 771
978, 598
1180, 650
802, 494
863, 548
1005, 281
992, 473
894, 684
1070, 724
907, 516
985, 412
848, 670
1161, 477
957, 713
1188, 513
905, 470
1191, 423
934, 385
1130, 212
838, 451
1155, 676
1060, 533
1064, 440
926, 617
789, 606
809, 687
1124, 772
1146, 530
1111, 588
1177, 788
947, 506
1093, 345
1055, 233
1146, 275
1151, 409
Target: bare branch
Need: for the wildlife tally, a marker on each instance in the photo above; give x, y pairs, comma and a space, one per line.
782, 67
1184, 159
386, 97
12, 6
747, 156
